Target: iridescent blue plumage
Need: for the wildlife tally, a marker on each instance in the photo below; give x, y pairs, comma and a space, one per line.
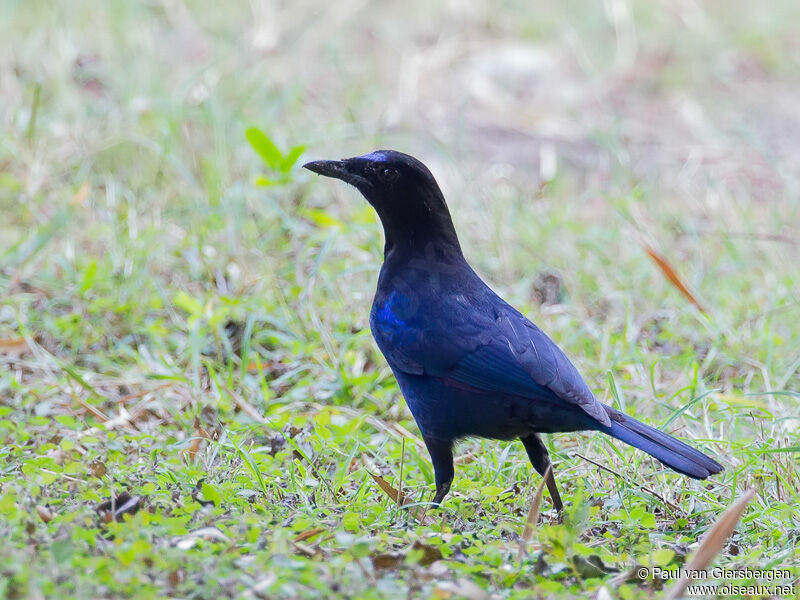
467, 362
377, 156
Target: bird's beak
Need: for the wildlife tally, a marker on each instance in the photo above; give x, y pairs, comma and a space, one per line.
346, 170
329, 168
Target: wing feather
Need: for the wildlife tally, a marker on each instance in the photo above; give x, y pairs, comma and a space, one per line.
520, 359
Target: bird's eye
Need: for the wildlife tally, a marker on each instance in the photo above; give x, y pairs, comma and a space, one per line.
388, 174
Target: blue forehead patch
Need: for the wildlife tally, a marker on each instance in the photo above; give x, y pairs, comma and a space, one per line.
375, 157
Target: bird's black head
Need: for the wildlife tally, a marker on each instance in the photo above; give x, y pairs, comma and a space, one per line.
402, 191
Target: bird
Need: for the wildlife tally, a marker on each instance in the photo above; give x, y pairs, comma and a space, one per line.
468, 363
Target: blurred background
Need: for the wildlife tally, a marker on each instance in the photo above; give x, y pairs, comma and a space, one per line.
567, 137
625, 172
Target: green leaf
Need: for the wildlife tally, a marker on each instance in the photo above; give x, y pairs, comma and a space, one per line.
288, 161
89, 276
637, 512
252, 466
648, 520
211, 494
265, 147
188, 303
262, 181
351, 521
62, 550
663, 557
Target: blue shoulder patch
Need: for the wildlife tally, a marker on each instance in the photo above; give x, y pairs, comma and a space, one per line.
391, 324
387, 314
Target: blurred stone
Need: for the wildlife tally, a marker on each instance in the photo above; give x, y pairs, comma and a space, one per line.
548, 289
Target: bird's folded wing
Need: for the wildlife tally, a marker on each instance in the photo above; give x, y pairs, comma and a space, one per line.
483, 342
518, 358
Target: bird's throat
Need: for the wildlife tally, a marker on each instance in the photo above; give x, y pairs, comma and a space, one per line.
414, 227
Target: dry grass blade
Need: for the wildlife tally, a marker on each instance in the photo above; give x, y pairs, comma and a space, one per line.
394, 494
308, 533
98, 414
124, 419
712, 543
387, 487
305, 549
79, 198
533, 515
400, 497
200, 434
673, 277
404, 433
136, 395
191, 539
465, 459
247, 408
428, 555
14, 346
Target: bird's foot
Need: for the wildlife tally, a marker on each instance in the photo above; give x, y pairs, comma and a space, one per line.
441, 492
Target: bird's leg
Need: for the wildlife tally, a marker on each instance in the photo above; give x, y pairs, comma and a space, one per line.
540, 459
441, 452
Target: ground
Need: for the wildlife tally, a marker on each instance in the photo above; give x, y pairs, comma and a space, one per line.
183, 325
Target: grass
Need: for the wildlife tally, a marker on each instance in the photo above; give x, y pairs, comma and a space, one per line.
172, 330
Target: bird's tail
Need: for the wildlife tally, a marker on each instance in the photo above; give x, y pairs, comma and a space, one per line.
661, 446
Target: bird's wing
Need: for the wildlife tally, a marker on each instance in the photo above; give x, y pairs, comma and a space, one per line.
476, 339
514, 356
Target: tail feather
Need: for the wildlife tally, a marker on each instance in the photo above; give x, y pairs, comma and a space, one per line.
661, 446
